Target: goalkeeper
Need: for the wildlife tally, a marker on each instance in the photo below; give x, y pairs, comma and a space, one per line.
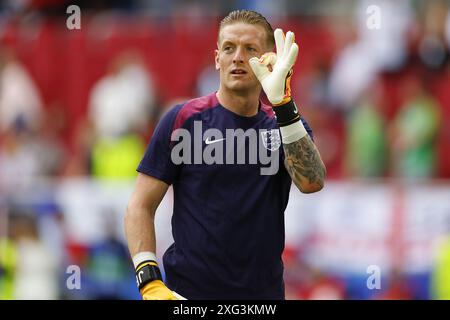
228, 218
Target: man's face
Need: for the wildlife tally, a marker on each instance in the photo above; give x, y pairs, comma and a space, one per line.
238, 43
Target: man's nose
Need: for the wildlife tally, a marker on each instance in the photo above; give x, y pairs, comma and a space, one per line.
238, 56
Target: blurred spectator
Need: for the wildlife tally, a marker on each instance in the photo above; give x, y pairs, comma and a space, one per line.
366, 154
117, 158
52, 230
432, 48
19, 164
36, 273
123, 100
19, 97
27, 155
121, 106
413, 133
30, 146
387, 46
353, 73
374, 50
109, 269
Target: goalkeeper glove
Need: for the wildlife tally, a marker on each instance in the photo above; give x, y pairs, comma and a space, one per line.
274, 72
276, 83
149, 280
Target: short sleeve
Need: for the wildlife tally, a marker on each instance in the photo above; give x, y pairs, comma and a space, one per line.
308, 129
157, 160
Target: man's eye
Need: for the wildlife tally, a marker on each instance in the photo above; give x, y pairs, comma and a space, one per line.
251, 49
228, 48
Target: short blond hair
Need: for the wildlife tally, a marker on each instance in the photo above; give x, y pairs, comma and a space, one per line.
249, 17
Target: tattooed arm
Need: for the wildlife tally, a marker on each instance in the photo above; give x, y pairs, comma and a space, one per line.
303, 162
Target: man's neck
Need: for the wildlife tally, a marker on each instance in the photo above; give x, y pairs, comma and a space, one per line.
245, 104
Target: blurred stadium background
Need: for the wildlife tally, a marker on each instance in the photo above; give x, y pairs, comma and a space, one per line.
77, 108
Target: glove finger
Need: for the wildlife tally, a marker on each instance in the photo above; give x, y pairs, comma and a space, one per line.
268, 58
292, 55
259, 69
288, 43
279, 41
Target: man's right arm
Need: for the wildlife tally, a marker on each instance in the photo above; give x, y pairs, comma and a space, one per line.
140, 233
140, 215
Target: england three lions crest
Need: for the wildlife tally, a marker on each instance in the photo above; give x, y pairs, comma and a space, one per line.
271, 139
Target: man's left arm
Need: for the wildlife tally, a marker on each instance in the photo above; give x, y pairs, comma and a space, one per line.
304, 164
274, 72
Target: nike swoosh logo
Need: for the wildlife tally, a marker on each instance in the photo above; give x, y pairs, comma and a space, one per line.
209, 141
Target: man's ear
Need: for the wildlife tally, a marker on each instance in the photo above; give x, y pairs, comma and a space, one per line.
216, 59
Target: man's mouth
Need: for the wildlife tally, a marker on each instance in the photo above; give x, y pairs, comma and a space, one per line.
238, 71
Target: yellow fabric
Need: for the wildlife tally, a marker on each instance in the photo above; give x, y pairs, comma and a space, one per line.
8, 263
441, 273
117, 159
157, 290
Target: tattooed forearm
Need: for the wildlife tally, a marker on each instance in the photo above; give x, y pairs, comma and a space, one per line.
304, 164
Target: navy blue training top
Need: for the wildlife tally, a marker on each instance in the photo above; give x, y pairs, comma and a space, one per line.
228, 215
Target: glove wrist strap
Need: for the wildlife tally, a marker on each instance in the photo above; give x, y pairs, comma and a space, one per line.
146, 272
288, 119
286, 113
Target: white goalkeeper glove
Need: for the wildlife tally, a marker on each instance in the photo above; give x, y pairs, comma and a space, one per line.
276, 82
274, 72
